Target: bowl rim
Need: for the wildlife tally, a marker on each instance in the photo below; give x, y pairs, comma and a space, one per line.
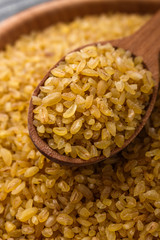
27, 20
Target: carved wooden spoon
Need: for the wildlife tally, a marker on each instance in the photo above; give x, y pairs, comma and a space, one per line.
146, 43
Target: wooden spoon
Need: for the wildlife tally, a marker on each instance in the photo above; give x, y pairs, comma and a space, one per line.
146, 43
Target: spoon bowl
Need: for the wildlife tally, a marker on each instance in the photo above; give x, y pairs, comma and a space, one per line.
145, 42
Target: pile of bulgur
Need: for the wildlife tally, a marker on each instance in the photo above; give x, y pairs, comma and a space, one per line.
92, 101
116, 199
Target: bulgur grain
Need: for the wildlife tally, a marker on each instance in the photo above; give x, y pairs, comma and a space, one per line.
129, 95
23, 65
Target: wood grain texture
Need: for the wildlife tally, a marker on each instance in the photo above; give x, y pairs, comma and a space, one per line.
43, 15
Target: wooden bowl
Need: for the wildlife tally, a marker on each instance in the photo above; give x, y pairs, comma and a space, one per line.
49, 13
43, 15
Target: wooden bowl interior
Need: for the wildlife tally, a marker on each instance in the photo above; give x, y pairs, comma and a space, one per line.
43, 15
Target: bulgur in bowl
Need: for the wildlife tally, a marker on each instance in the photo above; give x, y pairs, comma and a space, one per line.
115, 199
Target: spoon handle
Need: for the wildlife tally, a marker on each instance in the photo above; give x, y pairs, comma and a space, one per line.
146, 43
147, 38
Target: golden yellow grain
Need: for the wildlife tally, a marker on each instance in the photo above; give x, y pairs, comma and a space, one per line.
52, 98
70, 111
6, 156
64, 219
31, 171
60, 131
106, 85
76, 126
9, 226
27, 214
125, 185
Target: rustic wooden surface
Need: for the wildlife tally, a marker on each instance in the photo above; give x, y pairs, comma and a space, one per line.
11, 7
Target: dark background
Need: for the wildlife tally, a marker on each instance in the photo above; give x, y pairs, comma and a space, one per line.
11, 7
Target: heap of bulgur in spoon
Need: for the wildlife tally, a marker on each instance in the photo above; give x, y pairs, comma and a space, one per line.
92, 101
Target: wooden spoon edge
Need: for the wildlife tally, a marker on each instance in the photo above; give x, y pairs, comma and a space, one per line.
44, 148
